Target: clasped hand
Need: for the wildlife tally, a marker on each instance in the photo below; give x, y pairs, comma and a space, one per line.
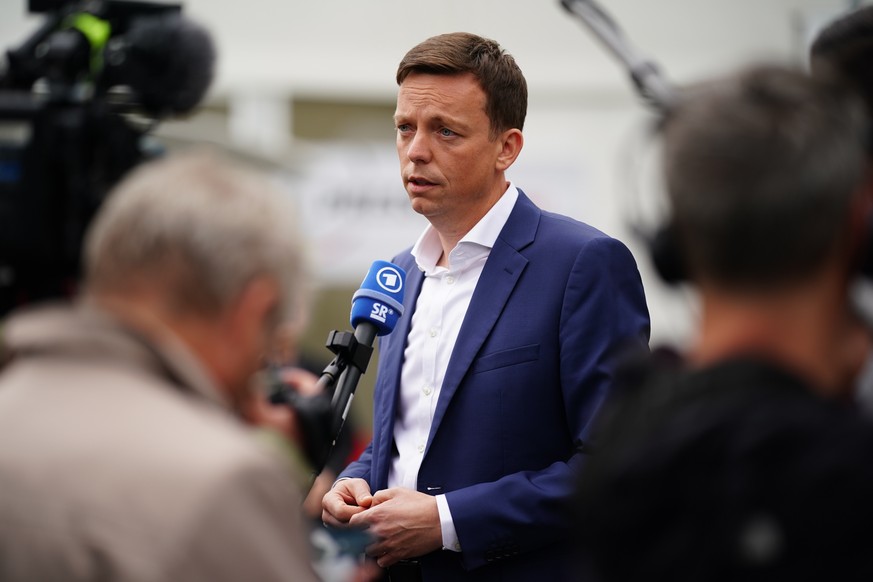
404, 523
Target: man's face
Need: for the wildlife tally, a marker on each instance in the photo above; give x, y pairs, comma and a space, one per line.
448, 162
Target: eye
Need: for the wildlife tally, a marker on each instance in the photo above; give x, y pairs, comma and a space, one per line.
446, 132
403, 127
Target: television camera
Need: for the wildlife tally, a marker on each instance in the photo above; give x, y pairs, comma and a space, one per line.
78, 99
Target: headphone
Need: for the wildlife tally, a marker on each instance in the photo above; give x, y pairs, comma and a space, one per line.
666, 254
663, 243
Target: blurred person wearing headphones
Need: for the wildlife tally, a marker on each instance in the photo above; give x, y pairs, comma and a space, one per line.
744, 457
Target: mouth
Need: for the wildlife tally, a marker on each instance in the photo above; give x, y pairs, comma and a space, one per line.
419, 182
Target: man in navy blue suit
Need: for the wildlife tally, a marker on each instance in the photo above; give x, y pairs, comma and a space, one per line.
486, 391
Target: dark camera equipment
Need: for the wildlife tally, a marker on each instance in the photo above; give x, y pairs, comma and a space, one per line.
321, 417
376, 309
78, 99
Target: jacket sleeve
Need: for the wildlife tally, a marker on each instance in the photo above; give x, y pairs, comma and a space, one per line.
360, 468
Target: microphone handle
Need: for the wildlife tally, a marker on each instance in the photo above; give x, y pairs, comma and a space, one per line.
365, 334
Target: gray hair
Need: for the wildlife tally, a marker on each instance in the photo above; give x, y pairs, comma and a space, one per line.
200, 227
761, 169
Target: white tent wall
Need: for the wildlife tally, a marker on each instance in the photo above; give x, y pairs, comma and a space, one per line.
583, 112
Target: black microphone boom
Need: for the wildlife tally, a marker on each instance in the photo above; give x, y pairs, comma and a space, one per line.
644, 73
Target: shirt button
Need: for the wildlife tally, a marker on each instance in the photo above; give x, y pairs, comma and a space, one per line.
450, 280
420, 448
427, 390
433, 332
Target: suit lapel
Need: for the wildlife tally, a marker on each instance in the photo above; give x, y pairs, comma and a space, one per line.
501, 273
394, 356
392, 366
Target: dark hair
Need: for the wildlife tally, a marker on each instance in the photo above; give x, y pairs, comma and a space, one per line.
760, 169
845, 47
496, 71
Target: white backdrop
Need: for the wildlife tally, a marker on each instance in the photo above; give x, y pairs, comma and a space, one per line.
582, 112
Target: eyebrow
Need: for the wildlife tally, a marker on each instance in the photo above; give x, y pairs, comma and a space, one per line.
439, 120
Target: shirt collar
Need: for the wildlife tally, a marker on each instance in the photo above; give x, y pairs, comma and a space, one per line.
427, 248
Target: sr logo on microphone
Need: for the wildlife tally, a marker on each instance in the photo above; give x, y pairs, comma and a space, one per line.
380, 312
390, 280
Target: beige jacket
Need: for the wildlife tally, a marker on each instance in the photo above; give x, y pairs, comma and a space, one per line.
119, 461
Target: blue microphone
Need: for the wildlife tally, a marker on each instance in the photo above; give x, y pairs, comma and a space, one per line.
376, 307
379, 301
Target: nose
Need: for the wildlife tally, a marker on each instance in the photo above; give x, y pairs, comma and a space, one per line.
418, 150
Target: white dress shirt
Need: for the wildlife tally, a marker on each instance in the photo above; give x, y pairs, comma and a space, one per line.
440, 310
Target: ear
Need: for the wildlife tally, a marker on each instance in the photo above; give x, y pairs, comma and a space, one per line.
861, 229
511, 141
256, 308
250, 322
246, 333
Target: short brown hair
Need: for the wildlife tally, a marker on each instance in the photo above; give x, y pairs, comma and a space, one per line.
499, 76
845, 47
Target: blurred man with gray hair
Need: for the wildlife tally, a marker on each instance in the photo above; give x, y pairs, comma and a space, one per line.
126, 455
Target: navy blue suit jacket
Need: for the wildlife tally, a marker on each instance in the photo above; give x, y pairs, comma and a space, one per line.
557, 301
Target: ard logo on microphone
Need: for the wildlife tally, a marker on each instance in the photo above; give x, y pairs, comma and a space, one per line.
389, 279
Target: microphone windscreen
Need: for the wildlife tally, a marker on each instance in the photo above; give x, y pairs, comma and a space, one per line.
167, 60
379, 301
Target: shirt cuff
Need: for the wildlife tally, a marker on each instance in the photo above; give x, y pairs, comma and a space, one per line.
450, 536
